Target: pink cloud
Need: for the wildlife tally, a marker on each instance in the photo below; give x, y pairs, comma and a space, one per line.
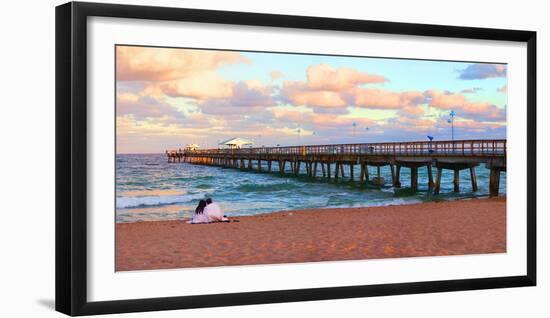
289, 115
141, 107
329, 87
199, 86
245, 98
328, 120
327, 78
384, 99
411, 111
161, 64
445, 100
316, 119
298, 93
458, 102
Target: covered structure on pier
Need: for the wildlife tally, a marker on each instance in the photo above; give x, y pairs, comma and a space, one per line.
191, 147
236, 143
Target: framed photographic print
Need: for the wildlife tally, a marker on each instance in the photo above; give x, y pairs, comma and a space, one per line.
210, 158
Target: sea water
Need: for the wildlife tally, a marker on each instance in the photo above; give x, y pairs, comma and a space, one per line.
148, 188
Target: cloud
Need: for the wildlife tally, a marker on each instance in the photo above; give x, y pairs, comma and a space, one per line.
245, 98
458, 102
316, 119
299, 93
482, 71
329, 90
162, 64
410, 124
324, 77
412, 111
141, 107
199, 86
384, 99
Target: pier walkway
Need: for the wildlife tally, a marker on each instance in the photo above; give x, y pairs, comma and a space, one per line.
333, 161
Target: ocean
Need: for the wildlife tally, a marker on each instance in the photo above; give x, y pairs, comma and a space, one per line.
148, 188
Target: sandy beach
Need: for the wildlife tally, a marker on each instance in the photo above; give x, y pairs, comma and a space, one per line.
475, 226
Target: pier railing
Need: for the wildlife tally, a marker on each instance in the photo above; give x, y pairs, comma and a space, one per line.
457, 148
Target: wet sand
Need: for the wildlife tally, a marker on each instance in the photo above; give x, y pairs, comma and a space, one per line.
476, 226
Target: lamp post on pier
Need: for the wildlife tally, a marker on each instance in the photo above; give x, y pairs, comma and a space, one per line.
452, 122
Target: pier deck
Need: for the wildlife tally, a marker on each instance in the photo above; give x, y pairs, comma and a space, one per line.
452, 155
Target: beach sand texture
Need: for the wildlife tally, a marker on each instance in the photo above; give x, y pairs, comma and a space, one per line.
476, 226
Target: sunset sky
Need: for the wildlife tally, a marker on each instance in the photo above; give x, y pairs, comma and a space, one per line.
167, 98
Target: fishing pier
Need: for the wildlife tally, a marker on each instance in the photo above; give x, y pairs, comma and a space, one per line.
334, 162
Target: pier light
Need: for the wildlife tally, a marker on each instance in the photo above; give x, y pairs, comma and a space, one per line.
451, 121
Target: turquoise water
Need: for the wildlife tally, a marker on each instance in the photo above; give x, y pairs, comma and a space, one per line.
148, 188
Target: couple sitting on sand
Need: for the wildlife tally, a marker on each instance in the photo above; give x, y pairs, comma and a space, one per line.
208, 211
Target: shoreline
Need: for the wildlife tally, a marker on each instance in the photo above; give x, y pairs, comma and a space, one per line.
436, 228
178, 207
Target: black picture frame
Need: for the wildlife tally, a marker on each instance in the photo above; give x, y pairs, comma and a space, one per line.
71, 157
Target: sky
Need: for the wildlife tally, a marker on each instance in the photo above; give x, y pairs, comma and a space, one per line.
169, 97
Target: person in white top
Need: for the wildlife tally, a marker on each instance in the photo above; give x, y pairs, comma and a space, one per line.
214, 211
200, 215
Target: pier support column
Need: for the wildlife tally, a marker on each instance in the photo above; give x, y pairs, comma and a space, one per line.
337, 169
342, 170
438, 181
315, 169
362, 172
259, 165
323, 169
250, 164
456, 166
397, 183
456, 180
328, 169
494, 182
473, 178
351, 172
430, 177
414, 179
269, 166
298, 163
